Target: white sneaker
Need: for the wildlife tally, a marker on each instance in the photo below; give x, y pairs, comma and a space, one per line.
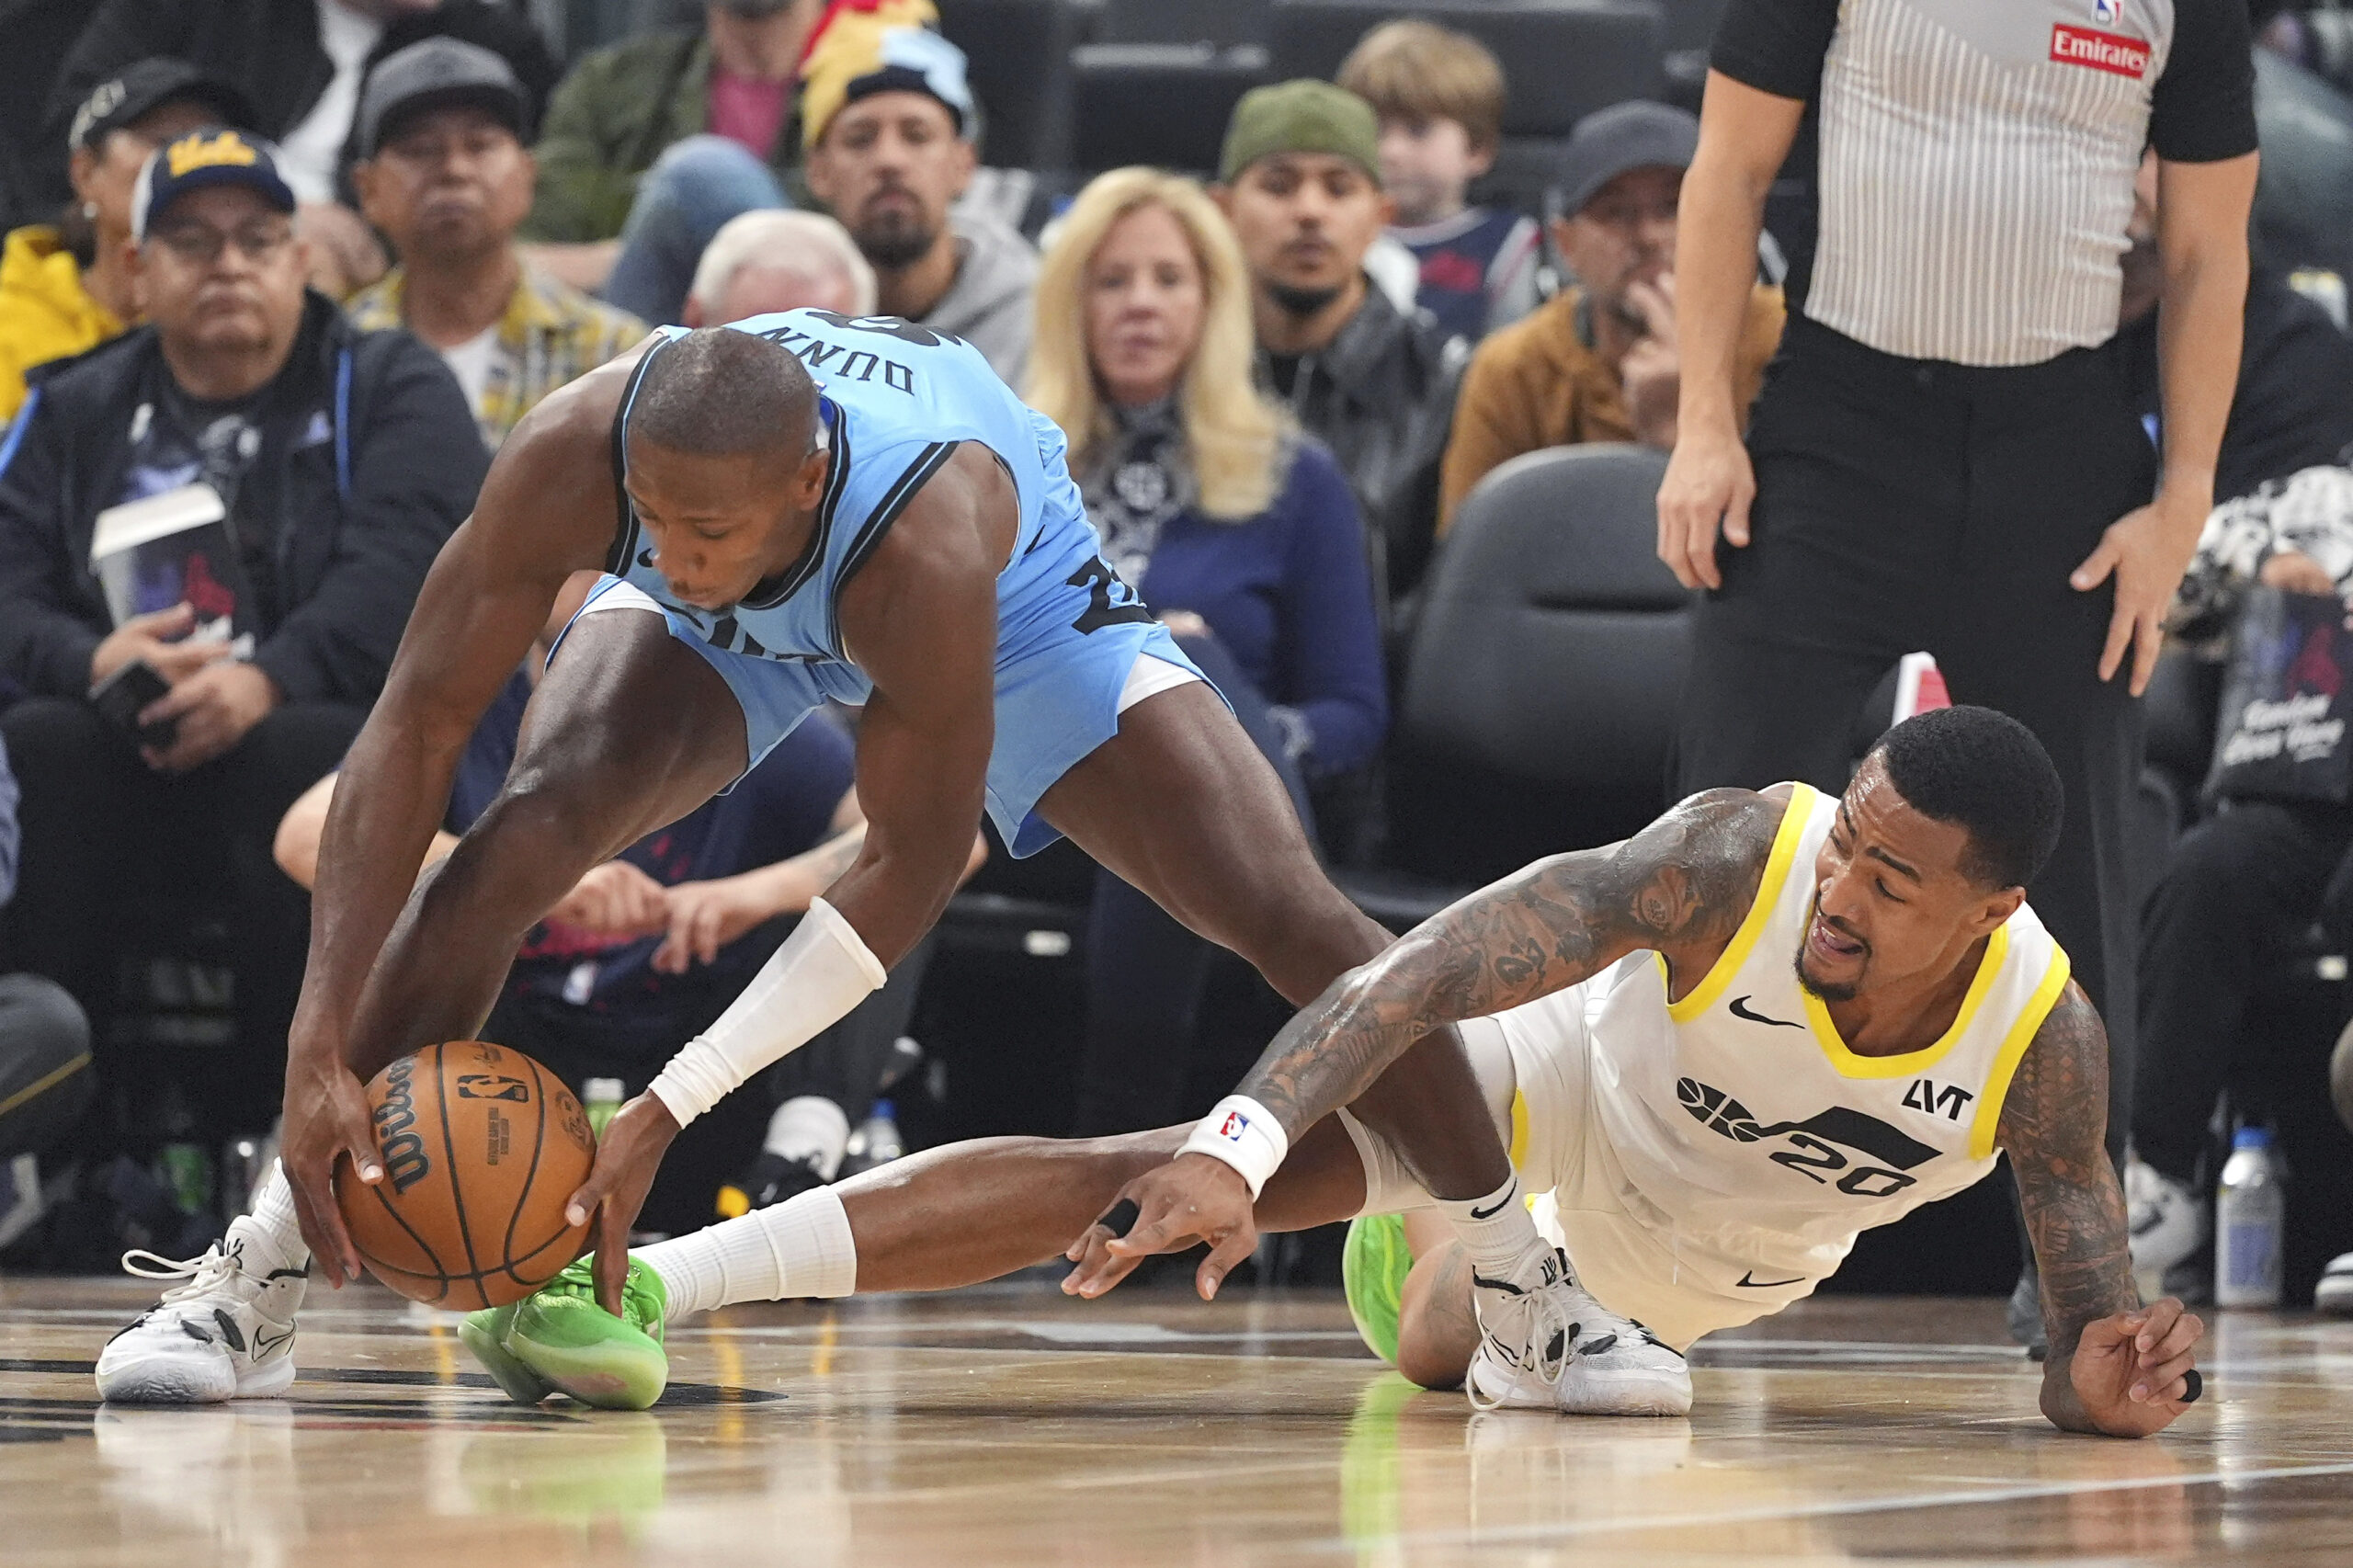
2335, 1294
227, 1333
1551, 1346
2168, 1221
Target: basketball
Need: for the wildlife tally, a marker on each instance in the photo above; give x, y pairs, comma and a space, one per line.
482, 1146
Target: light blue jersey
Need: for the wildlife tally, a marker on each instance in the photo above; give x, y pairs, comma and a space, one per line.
896, 401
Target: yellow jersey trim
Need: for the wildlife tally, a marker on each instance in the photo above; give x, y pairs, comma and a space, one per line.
1760, 914
2005, 1062
1849, 1065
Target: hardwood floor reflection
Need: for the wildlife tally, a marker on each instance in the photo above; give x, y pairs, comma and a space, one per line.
1012, 1426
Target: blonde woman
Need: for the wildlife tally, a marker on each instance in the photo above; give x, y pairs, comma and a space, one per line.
1238, 530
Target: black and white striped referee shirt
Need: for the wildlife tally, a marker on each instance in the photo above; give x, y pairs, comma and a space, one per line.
1977, 156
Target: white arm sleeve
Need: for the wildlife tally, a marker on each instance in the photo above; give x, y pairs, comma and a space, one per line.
822, 971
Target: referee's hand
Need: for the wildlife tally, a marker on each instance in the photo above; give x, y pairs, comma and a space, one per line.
2147, 551
1709, 483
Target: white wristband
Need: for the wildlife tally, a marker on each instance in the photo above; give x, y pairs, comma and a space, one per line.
808, 985
1245, 1135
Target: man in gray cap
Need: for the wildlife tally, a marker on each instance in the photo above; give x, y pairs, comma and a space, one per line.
1299, 181
443, 172
1600, 361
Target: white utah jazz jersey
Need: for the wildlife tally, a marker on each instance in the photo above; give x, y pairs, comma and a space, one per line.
1746, 1142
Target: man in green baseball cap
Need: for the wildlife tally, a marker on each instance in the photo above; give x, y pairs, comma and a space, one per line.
1299, 181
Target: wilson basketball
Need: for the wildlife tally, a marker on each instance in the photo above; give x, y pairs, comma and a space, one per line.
481, 1146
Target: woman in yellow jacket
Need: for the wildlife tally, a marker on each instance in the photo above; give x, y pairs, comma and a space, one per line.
66, 288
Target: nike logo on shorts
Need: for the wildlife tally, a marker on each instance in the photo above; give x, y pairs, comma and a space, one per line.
1739, 1010
1749, 1280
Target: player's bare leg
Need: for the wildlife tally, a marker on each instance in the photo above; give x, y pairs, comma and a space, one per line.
1437, 1332
1181, 805
948, 1217
630, 730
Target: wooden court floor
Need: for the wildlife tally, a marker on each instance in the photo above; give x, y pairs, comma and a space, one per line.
1011, 1426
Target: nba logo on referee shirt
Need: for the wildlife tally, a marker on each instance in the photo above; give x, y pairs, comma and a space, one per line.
2107, 12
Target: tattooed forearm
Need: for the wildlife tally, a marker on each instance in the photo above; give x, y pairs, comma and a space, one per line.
1684, 882
2054, 1123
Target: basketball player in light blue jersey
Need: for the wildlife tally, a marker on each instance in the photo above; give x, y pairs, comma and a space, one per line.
798, 508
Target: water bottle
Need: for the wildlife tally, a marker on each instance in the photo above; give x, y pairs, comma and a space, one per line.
2250, 1222
876, 1142
600, 1097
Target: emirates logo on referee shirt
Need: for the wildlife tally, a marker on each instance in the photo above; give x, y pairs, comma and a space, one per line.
2102, 51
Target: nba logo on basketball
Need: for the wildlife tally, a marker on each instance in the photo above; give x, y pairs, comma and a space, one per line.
2107, 12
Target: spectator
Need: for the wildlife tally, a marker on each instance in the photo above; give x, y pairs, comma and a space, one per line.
648, 949
691, 95
1300, 183
44, 1038
890, 123
1439, 98
1599, 361
444, 175
2239, 884
299, 62
764, 262
2295, 405
1238, 531
67, 288
341, 460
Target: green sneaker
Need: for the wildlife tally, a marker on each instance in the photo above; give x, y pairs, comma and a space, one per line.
1373, 1266
573, 1345
482, 1333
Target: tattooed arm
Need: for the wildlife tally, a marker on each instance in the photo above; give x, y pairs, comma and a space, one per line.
1681, 886
2115, 1367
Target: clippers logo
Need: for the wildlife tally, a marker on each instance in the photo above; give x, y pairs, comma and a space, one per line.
208, 152
1233, 1127
2112, 52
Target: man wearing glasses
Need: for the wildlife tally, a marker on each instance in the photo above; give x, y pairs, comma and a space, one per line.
312, 471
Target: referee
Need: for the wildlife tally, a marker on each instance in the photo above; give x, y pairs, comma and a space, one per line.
1941, 458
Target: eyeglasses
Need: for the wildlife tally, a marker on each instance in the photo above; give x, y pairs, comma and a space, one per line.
199, 245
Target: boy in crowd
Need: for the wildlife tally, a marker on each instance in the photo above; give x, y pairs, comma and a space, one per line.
1439, 97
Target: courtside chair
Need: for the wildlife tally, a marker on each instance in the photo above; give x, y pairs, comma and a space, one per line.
1541, 689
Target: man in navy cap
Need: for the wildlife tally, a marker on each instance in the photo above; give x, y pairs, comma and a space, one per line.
1599, 361
445, 173
314, 470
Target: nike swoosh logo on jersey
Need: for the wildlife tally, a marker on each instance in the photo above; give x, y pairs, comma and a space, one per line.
1739, 1010
1749, 1282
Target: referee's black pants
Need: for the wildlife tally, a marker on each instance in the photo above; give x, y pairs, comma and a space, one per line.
1906, 505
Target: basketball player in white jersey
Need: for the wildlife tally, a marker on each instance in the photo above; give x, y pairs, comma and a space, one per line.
1719, 1050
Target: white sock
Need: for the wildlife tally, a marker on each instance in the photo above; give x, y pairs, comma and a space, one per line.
1499, 1235
801, 1248
273, 1237
810, 1128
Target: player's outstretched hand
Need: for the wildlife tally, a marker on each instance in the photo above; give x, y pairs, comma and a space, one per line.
628, 1154
2131, 1370
327, 1121
1190, 1198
